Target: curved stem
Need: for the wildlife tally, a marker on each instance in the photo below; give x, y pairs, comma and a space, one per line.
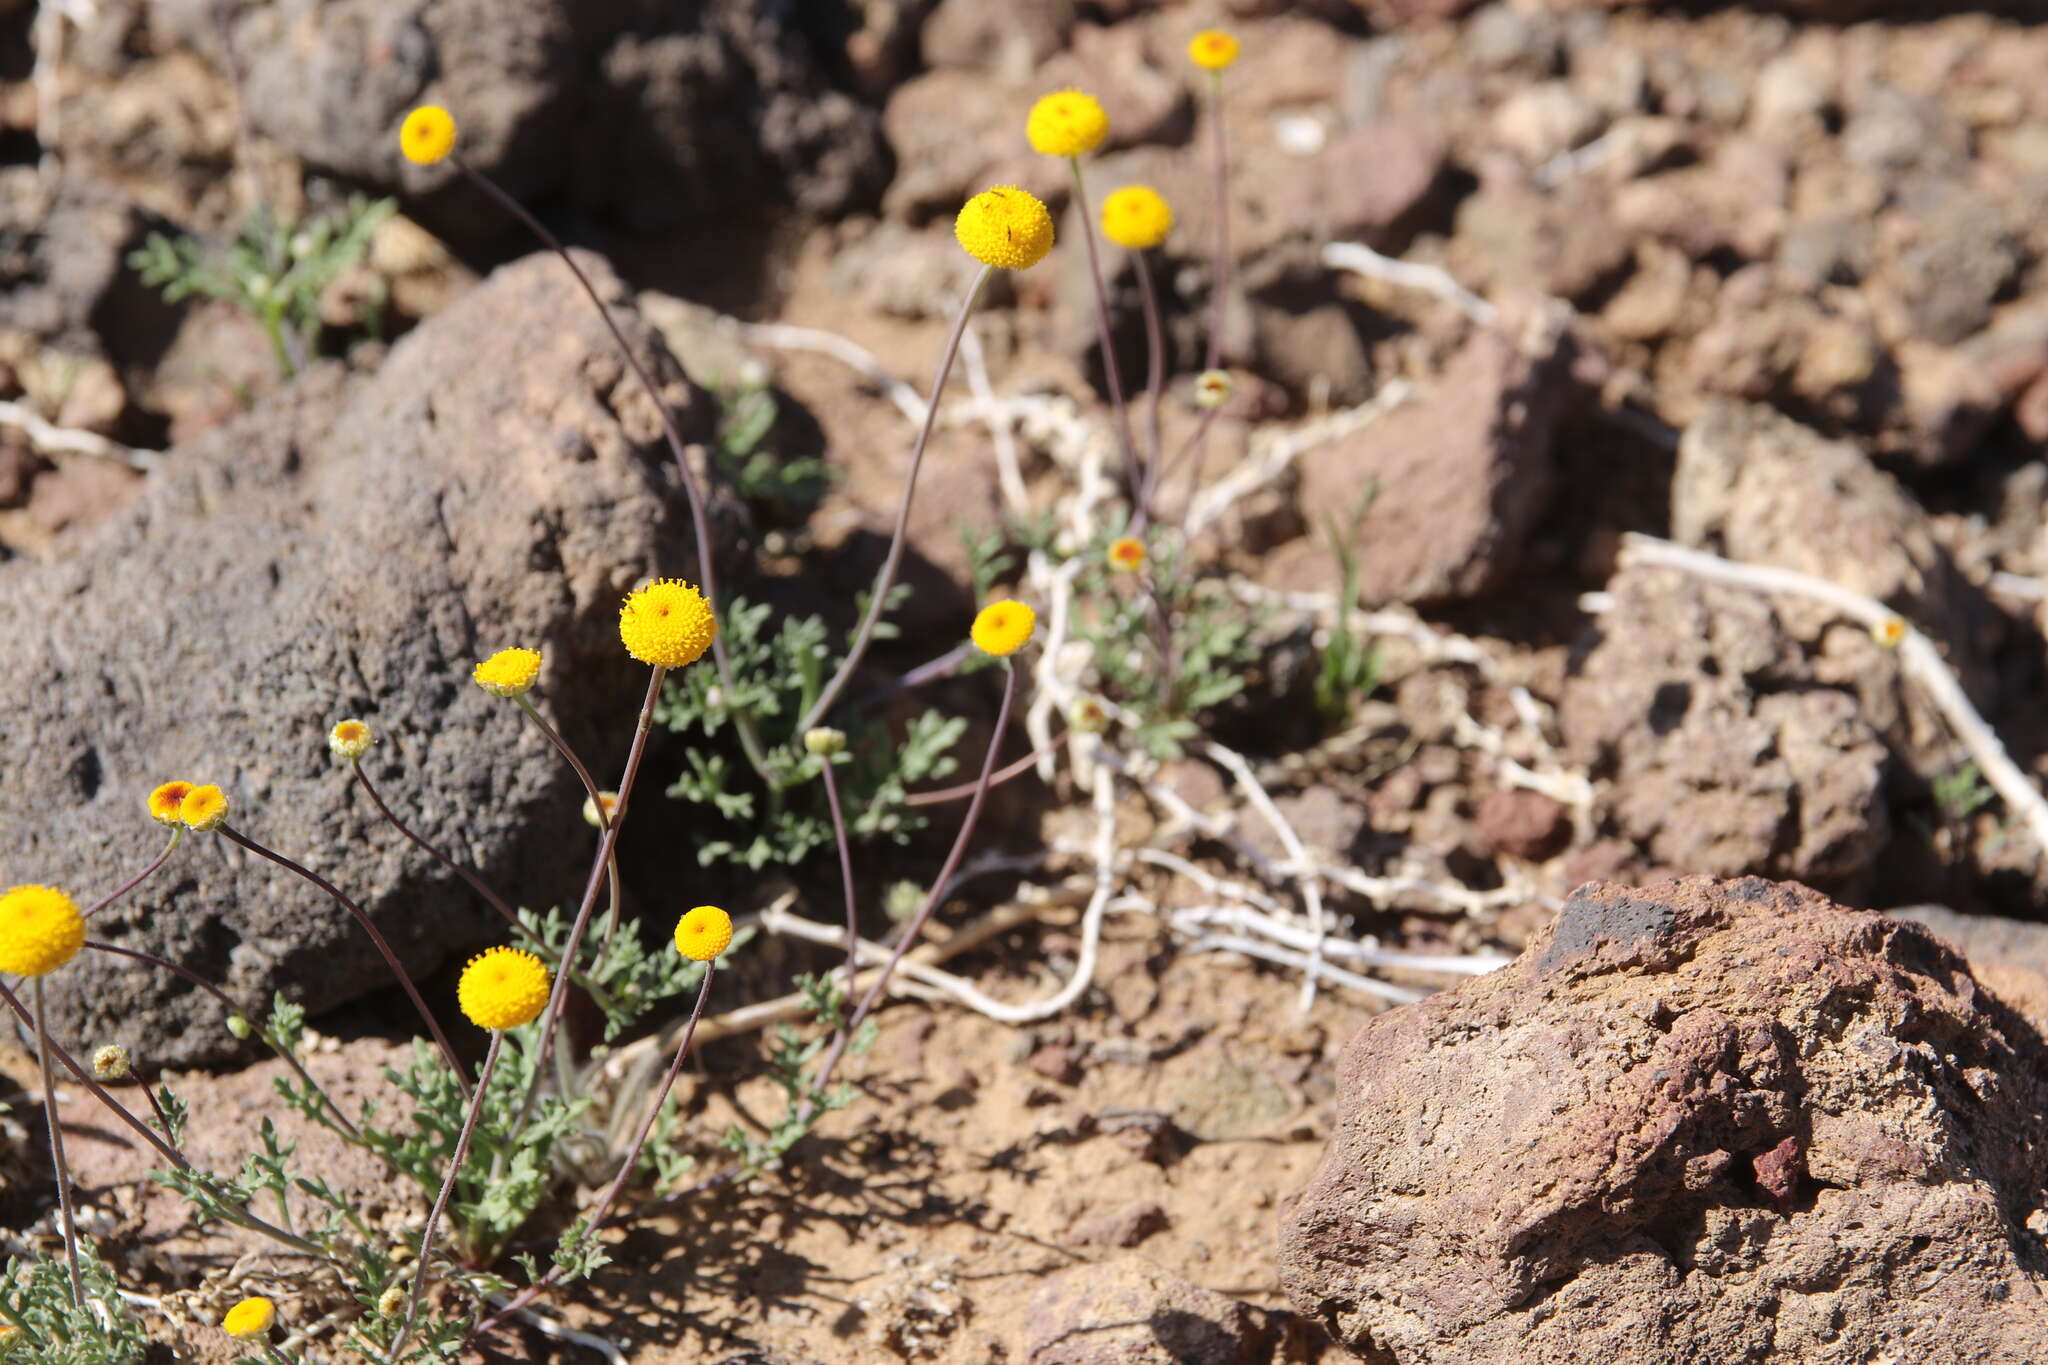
931, 902
1110, 373
226, 1003
1220, 284
698, 521
476, 883
607, 850
604, 817
57, 1162
845, 875
1003, 774
139, 878
476, 1108
362, 917
879, 596
1155, 384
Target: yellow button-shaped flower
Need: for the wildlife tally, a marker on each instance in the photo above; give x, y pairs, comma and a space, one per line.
1005, 227
249, 1319
40, 930
427, 135
1136, 217
508, 673
703, 933
667, 623
165, 800
503, 988
350, 739
203, 808
1127, 553
1212, 49
1066, 123
1002, 628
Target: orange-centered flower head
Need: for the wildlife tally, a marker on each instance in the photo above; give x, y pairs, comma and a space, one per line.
40, 930
1127, 553
508, 673
1212, 49
503, 988
703, 933
203, 808
427, 135
165, 800
350, 740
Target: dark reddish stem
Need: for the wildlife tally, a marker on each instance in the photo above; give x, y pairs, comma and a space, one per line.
139, 878
476, 883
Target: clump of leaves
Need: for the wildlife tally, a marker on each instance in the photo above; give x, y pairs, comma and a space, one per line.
35, 1299
776, 677
275, 271
790, 1055
1349, 668
747, 411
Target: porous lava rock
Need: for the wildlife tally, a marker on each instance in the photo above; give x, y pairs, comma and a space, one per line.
349, 549
1702, 1121
1130, 1311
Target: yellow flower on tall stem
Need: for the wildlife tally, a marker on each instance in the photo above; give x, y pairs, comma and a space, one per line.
1005, 227
427, 136
1002, 628
1212, 49
509, 672
40, 931
1066, 123
667, 623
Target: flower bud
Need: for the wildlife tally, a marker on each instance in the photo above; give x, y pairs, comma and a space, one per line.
823, 741
110, 1063
1212, 389
240, 1026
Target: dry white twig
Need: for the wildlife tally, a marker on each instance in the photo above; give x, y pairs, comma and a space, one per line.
1202, 919
1311, 966
1918, 659
1363, 260
1009, 474
1311, 887
51, 439
783, 336
1269, 463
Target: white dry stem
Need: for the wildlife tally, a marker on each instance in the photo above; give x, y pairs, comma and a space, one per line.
558, 1331
1243, 920
50, 439
1213, 885
1009, 473
1363, 260
1274, 456
1311, 885
1919, 659
1310, 965
783, 336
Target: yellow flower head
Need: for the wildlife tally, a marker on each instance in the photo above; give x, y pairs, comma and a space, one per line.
1212, 49
598, 814
427, 135
203, 808
503, 988
1127, 554
703, 933
1890, 632
1005, 227
1136, 217
1002, 627
250, 1318
1066, 123
165, 800
508, 673
667, 623
1212, 388
350, 739
40, 930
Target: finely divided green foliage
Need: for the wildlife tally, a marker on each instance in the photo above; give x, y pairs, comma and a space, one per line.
776, 677
35, 1297
747, 412
275, 271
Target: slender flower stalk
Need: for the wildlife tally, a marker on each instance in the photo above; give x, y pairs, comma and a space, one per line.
845, 876
597, 803
699, 522
878, 596
57, 1162
298, 1068
369, 926
455, 1162
909, 935
1111, 374
1220, 283
476, 883
1155, 385
966, 789
139, 878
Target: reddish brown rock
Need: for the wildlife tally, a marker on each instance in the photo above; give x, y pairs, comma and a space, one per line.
1704, 1121
1461, 474
1524, 824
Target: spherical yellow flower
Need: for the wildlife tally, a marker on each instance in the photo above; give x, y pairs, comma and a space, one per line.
667, 623
503, 988
350, 739
165, 800
1066, 123
1005, 227
508, 673
203, 808
703, 933
427, 135
249, 1319
1127, 553
1136, 217
40, 930
1212, 49
1002, 627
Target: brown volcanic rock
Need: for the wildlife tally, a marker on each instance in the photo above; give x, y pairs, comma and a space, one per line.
1705, 1121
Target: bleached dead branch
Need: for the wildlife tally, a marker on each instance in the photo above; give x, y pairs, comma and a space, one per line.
50, 439
1273, 457
1363, 260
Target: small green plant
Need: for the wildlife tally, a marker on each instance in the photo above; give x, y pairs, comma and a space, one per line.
1349, 668
39, 1322
1961, 792
275, 271
783, 819
747, 411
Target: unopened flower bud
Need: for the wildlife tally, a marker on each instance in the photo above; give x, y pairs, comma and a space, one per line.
1212, 389
390, 1301
240, 1026
110, 1063
1089, 716
824, 742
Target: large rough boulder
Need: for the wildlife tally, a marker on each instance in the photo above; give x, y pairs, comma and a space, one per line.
653, 113
1706, 1121
350, 549
1727, 745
